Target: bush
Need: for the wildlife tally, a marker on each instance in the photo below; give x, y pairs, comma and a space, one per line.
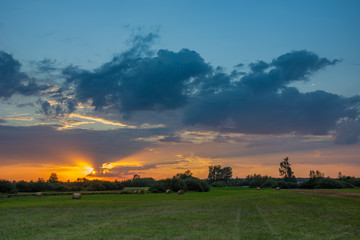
205, 186
23, 186
292, 185
255, 180
235, 182
174, 184
7, 187
158, 187
218, 184
270, 183
197, 185
327, 183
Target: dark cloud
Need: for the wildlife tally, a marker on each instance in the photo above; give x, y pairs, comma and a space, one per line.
172, 139
290, 67
260, 102
348, 132
283, 112
13, 81
45, 144
46, 65
3, 121
64, 106
133, 82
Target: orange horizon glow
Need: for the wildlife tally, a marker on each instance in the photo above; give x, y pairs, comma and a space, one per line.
168, 162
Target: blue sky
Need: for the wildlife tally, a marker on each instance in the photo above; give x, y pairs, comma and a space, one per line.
90, 32
87, 34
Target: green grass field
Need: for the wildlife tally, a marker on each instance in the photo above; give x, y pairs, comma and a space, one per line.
222, 213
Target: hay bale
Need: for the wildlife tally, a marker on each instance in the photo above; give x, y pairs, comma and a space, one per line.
277, 188
141, 191
38, 194
168, 191
181, 192
258, 188
76, 196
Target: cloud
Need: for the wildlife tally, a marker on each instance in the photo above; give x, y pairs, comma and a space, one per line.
260, 102
135, 82
283, 112
13, 81
44, 144
348, 132
287, 68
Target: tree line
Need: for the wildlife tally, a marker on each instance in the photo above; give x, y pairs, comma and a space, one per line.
218, 176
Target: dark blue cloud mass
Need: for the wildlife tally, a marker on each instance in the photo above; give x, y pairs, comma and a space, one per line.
134, 82
259, 101
13, 81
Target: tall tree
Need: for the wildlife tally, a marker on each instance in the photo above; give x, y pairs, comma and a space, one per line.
316, 174
285, 171
216, 173
53, 178
226, 173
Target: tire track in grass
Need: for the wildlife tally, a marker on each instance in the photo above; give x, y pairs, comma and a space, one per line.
268, 224
237, 224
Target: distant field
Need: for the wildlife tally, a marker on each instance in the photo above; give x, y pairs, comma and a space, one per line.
222, 213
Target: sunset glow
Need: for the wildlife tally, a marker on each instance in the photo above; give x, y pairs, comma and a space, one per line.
150, 92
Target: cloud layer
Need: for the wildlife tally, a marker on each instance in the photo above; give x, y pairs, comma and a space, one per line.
253, 99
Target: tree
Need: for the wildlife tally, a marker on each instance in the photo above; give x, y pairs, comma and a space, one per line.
285, 171
53, 178
226, 173
316, 174
216, 173
136, 176
185, 175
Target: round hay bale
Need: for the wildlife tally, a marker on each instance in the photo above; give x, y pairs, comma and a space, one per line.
277, 188
168, 191
141, 191
76, 196
181, 192
258, 188
38, 194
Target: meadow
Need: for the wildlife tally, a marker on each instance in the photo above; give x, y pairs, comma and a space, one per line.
222, 213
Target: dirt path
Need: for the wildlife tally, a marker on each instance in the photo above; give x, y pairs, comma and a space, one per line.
328, 192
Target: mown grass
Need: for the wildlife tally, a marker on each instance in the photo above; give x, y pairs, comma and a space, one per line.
225, 213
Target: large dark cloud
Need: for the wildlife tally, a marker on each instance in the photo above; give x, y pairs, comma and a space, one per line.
13, 81
293, 66
134, 82
261, 102
45, 144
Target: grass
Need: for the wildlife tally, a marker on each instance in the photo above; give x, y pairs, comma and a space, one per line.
222, 213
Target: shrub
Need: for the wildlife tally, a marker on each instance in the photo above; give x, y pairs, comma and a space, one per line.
23, 186
7, 187
205, 186
177, 184
218, 184
197, 185
329, 183
292, 185
158, 187
270, 183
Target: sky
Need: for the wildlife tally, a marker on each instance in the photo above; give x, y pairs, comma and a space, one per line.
109, 89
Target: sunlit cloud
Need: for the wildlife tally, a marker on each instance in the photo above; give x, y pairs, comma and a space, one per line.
18, 118
101, 120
